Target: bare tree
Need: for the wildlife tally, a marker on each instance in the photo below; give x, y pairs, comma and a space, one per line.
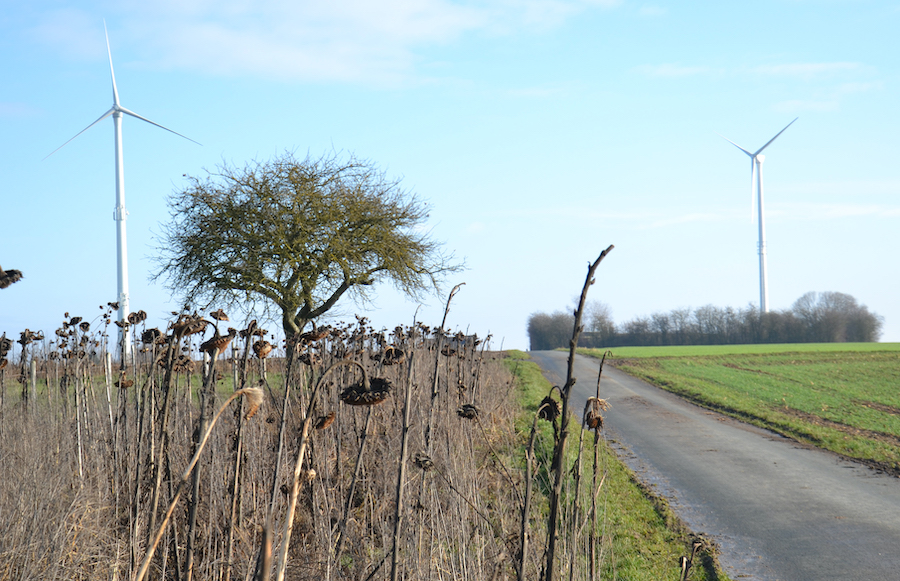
599, 320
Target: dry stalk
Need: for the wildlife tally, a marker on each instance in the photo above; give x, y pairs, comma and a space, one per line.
526, 501
350, 492
254, 397
437, 362
557, 466
298, 464
292, 344
237, 466
499, 460
264, 559
574, 530
205, 400
434, 393
401, 470
171, 345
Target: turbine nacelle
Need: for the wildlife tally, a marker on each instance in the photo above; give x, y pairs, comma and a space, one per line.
758, 157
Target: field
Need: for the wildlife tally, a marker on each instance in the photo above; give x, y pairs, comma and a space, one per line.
356, 454
842, 397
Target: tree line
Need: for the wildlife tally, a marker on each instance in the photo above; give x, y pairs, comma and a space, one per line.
827, 317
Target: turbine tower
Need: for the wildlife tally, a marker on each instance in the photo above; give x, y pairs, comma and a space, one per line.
120, 214
757, 159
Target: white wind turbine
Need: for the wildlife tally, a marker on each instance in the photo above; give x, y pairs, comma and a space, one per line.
757, 159
120, 214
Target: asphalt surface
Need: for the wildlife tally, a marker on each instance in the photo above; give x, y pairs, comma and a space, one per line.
778, 510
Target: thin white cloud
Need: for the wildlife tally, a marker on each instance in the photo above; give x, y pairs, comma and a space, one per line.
653, 219
538, 14
827, 100
686, 219
801, 71
852, 88
652, 11
351, 40
670, 70
825, 211
343, 40
537, 92
639, 220
847, 188
807, 71
72, 32
17, 110
804, 105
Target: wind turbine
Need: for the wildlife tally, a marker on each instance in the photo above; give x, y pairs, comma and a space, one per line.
120, 214
757, 159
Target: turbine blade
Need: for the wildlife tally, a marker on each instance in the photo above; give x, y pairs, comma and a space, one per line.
112, 73
136, 116
102, 117
735, 144
758, 151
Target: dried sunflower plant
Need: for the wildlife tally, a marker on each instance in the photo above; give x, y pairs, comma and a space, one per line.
344, 452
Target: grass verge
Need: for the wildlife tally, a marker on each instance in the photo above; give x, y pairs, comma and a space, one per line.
643, 539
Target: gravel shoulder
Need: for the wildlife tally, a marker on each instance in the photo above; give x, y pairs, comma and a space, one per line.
778, 510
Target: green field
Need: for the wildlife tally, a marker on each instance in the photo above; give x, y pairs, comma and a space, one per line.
842, 397
698, 350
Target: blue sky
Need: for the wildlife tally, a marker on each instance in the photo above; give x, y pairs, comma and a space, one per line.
538, 131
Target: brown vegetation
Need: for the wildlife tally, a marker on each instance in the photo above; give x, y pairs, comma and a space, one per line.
95, 456
352, 450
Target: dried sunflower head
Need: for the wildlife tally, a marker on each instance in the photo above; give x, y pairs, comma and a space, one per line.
218, 342
150, 336
262, 349
549, 409
251, 326
357, 394
254, 396
423, 461
323, 422
468, 411
219, 315
593, 417
393, 356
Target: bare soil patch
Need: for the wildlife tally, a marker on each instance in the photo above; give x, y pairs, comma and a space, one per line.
889, 439
888, 409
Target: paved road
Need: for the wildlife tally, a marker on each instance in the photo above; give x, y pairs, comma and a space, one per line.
778, 510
